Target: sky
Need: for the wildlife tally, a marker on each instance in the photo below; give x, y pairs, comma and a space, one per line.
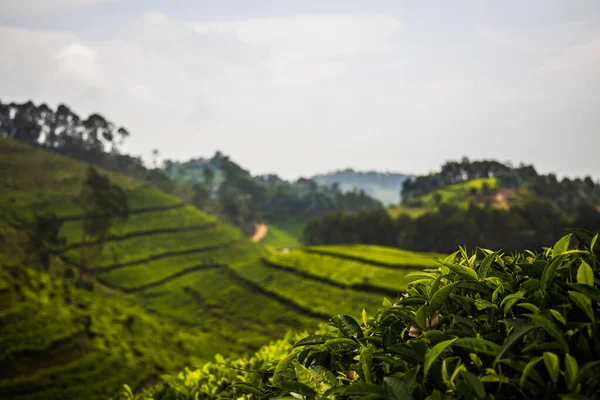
304, 87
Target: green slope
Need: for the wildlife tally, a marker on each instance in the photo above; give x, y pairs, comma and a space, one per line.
459, 195
170, 285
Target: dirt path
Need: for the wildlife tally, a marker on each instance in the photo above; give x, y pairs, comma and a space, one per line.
260, 232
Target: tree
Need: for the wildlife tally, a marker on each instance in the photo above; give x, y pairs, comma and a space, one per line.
155, 153
39, 238
485, 189
102, 202
201, 195
159, 179
208, 174
437, 198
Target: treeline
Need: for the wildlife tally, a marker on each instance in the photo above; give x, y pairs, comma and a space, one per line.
567, 193
526, 226
218, 186
95, 139
221, 186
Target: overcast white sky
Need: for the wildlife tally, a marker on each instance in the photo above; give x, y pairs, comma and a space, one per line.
304, 86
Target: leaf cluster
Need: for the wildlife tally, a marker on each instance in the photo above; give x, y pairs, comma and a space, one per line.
482, 325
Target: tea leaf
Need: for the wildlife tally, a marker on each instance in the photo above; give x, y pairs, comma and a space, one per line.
478, 345
528, 369
561, 246
552, 365
433, 354
585, 275
347, 325
572, 369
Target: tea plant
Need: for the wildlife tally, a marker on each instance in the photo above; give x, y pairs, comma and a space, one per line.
497, 326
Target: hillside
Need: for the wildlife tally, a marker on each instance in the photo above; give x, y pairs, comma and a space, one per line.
383, 186
476, 191
169, 280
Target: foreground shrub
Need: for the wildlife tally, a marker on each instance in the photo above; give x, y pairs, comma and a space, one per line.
518, 326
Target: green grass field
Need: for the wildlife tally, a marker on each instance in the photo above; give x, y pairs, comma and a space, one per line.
169, 284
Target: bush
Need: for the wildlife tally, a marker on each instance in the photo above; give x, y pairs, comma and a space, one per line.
518, 326
505, 327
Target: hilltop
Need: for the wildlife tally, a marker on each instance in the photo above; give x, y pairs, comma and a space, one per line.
474, 203
167, 283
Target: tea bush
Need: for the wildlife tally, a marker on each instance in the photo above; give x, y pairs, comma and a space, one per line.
498, 326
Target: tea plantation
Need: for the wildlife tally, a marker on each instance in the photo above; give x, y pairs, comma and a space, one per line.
170, 287
482, 325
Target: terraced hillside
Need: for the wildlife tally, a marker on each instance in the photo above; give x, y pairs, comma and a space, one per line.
169, 280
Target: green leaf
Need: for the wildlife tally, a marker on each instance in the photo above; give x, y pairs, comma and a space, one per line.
445, 374
593, 242
396, 389
435, 286
295, 387
366, 362
474, 383
486, 264
282, 365
572, 369
312, 340
512, 339
590, 292
433, 354
476, 286
583, 302
324, 375
347, 325
438, 299
510, 301
530, 307
484, 304
552, 365
421, 274
305, 376
547, 325
421, 317
529, 368
248, 388
341, 342
558, 316
386, 303
561, 246
549, 272
461, 270
365, 320
585, 274
478, 345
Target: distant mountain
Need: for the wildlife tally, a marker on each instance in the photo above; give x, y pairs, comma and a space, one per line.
383, 186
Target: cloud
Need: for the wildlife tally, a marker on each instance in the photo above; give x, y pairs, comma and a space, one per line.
79, 62
581, 60
306, 93
20, 7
